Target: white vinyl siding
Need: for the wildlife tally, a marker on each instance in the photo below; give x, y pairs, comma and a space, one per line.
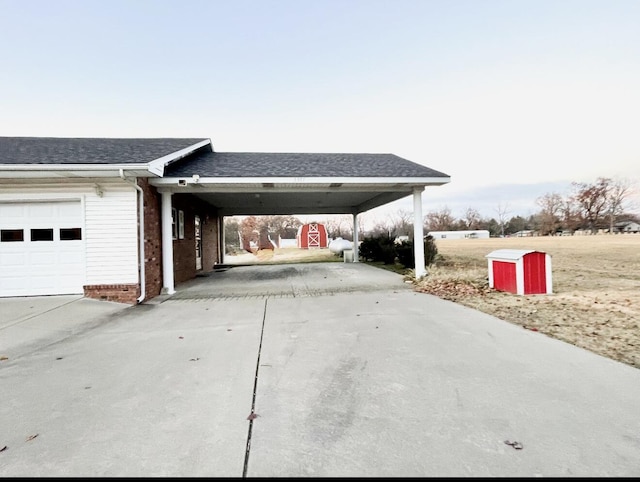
111, 237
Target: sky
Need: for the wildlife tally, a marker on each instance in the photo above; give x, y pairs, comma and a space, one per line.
512, 99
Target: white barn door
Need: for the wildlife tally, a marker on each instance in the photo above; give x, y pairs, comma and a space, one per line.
313, 236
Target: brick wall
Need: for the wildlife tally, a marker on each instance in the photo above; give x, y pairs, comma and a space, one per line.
122, 293
210, 246
152, 239
184, 250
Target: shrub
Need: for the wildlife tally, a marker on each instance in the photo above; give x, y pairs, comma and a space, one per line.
406, 256
378, 248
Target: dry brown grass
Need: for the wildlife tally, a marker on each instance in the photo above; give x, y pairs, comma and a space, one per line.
596, 289
284, 255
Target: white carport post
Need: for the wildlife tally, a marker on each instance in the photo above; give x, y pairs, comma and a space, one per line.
418, 233
167, 245
355, 238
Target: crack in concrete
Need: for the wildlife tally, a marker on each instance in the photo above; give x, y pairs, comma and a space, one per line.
255, 391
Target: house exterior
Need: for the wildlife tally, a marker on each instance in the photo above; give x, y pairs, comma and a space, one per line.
127, 219
78, 216
626, 227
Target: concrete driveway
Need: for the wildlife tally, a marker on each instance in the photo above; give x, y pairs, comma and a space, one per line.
341, 371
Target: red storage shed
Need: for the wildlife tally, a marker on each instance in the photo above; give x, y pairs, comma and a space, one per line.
520, 271
312, 235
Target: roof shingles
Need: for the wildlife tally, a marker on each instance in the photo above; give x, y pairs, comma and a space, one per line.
205, 162
257, 164
59, 150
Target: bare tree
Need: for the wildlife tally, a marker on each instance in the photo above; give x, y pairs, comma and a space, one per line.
472, 218
571, 214
282, 226
402, 223
551, 205
592, 200
363, 218
249, 232
503, 211
231, 232
382, 227
617, 194
441, 220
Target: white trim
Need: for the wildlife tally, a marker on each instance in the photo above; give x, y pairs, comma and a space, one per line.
547, 267
490, 269
180, 224
520, 276
174, 223
157, 165
73, 174
167, 245
356, 241
418, 234
509, 254
71, 167
301, 180
25, 196
141, 253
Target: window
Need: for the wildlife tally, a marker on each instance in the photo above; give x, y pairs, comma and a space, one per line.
11, 235
181, 224
42, 234
70, 234
174, 224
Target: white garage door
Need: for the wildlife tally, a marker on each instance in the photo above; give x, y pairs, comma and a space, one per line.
41, 248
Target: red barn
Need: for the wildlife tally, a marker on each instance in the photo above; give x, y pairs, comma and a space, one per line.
520, 271
312, 235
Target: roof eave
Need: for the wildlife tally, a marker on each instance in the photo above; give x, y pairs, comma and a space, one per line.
261, 181
157, 166
72, 170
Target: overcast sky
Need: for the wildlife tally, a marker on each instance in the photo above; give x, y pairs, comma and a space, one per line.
509, 98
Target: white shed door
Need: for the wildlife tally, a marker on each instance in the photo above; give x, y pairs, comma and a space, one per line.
41, 248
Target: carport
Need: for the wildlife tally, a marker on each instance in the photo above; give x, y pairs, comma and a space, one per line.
250, 183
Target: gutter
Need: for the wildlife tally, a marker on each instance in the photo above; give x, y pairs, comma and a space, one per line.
71, 167
143, 282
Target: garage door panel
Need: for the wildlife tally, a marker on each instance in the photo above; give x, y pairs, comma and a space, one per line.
71, 259
69, 210
11, 259
10, 212
43, 259
12, 282
41, 210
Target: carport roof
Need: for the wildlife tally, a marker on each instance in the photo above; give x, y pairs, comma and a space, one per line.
233, 182
271, 164
268, 183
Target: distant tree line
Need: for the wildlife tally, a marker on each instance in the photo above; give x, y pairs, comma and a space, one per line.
589, 206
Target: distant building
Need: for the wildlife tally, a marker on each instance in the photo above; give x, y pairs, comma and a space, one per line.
523, 233
312, 235
626, 227
475, 234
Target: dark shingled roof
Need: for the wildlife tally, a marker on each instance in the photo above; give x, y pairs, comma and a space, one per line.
257, 164
60, 150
